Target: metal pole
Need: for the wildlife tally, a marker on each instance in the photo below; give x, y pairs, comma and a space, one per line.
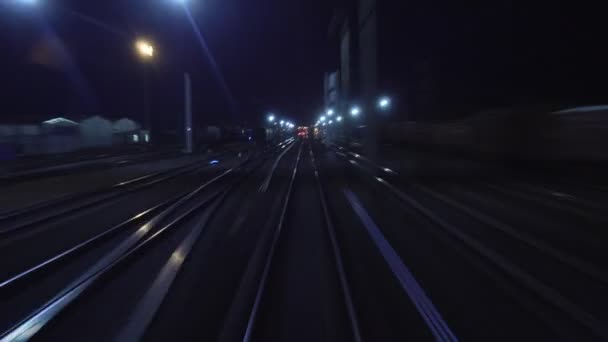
188, 112
147, 120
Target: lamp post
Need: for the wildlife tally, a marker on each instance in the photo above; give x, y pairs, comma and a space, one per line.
145, 51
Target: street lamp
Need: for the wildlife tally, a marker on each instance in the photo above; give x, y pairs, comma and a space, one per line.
355, 111
330, 112
322, 118
384, 102
331, 122
282, 122
270, 118
28, 2
144, 49
339, 118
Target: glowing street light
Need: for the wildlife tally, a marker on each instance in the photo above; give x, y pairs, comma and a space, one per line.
270, 118
331, 122
24, 2
27, 2
144, 48
384, 102
355, 111
322, 118
282, 122
330, 112
339, 119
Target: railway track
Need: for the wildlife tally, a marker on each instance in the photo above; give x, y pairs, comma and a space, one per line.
295, 288
39, 213
104, 161
294, 245
547, 279
162, 236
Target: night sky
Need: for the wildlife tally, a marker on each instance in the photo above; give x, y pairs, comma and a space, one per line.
76, 58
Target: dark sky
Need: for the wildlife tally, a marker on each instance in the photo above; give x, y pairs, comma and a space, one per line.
75, 58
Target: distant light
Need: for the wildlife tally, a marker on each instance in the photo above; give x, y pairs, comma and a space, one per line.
384, 102
144, 48
270, 118
355, 111
146, 137
322, 118
325, 123
331, 121
189, 129
215, 161
27, 2
249, 138
339, 118
330, 112
135, 138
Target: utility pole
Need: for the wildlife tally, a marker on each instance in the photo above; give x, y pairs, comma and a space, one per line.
188, 112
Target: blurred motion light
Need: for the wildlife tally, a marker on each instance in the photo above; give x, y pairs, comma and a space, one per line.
25, 2
384, 102
144, 49
355, 111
